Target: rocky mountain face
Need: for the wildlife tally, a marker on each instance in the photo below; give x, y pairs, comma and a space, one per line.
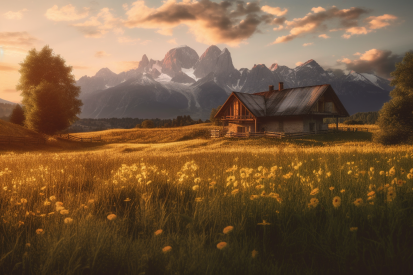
178, 58
184, 83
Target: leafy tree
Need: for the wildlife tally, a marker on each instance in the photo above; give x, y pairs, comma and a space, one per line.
147, 124
49, 92
212, 115
17, 115
396, 116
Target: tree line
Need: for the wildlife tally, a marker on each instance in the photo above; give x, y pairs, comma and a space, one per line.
92, 124
358, 118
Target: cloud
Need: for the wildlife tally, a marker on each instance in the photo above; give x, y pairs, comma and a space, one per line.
18, 39
317, 10
8, 67
229, 22
125, 6
10, 91
128, 40
355, 30
307, 44
100, 54
274, 11
172, 41
97, 26
324, 36
15, 15
299, 63
17, 43
349, 20
378, 22
66, 13
380, 62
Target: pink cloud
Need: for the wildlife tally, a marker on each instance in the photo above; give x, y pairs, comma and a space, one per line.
299, 63
317, 10
307, 44
66, 13
274, 10
97, 26
15, 15
324, 36
378, 22
100, 54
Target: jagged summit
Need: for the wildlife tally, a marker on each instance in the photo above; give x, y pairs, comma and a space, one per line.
178, 58
273, 66
207, 61
104, 72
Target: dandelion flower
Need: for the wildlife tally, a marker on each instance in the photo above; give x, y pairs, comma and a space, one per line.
91, 201
23, 201
127, 199
349, 172
336, 201
381, 173
68, 220
358, 202
313, 203
235, 191
39, 231
195, 187
52, 198
254, 253
158, 232
46, 203
64, 212
111, 217
372, 193
342, 191
314, 192
228, 229
331, 188
166, 249
221, 245
59, 203
353, 229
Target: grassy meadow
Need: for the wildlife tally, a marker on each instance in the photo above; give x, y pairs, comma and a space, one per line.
182, 203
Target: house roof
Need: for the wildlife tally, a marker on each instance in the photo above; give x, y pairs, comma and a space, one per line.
288, 102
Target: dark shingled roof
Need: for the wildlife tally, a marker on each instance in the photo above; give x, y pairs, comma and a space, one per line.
288, 102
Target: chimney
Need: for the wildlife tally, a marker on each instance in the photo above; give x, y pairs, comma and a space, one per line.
271, 88
280, 86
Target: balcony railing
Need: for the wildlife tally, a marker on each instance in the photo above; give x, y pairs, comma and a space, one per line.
237, 117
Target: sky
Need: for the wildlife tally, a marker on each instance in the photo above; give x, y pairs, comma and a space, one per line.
362, 35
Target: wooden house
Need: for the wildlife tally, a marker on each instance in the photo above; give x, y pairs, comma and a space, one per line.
292, 110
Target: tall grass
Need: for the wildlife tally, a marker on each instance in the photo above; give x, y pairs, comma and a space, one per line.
192, 193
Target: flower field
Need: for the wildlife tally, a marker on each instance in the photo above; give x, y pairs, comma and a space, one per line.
204, 207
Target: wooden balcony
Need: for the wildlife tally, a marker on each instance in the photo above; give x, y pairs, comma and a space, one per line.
245, 117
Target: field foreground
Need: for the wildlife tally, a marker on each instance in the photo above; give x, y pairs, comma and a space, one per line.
209, 207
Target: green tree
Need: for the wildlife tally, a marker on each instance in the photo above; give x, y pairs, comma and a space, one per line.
49, 93
212, 116
17, 115
147, 124
396, 116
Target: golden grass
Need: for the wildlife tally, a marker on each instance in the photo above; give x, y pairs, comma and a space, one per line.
154, 135
11, 129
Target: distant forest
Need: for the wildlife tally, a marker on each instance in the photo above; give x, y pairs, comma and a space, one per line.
5, 110
90, 124
366, 118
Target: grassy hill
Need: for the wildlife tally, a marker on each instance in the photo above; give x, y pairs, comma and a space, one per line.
152, 135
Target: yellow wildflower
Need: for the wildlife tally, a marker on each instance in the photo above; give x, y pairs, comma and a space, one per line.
314, 192
111, 217
39, 231
352, 229
221, 245
228, 229
336, 201
358, 202
158, 232
68, 220
166, 249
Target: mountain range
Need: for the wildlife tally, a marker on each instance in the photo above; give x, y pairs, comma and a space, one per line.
184, 83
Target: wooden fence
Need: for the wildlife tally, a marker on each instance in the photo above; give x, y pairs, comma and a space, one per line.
279, 135
12, 139
81, 139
